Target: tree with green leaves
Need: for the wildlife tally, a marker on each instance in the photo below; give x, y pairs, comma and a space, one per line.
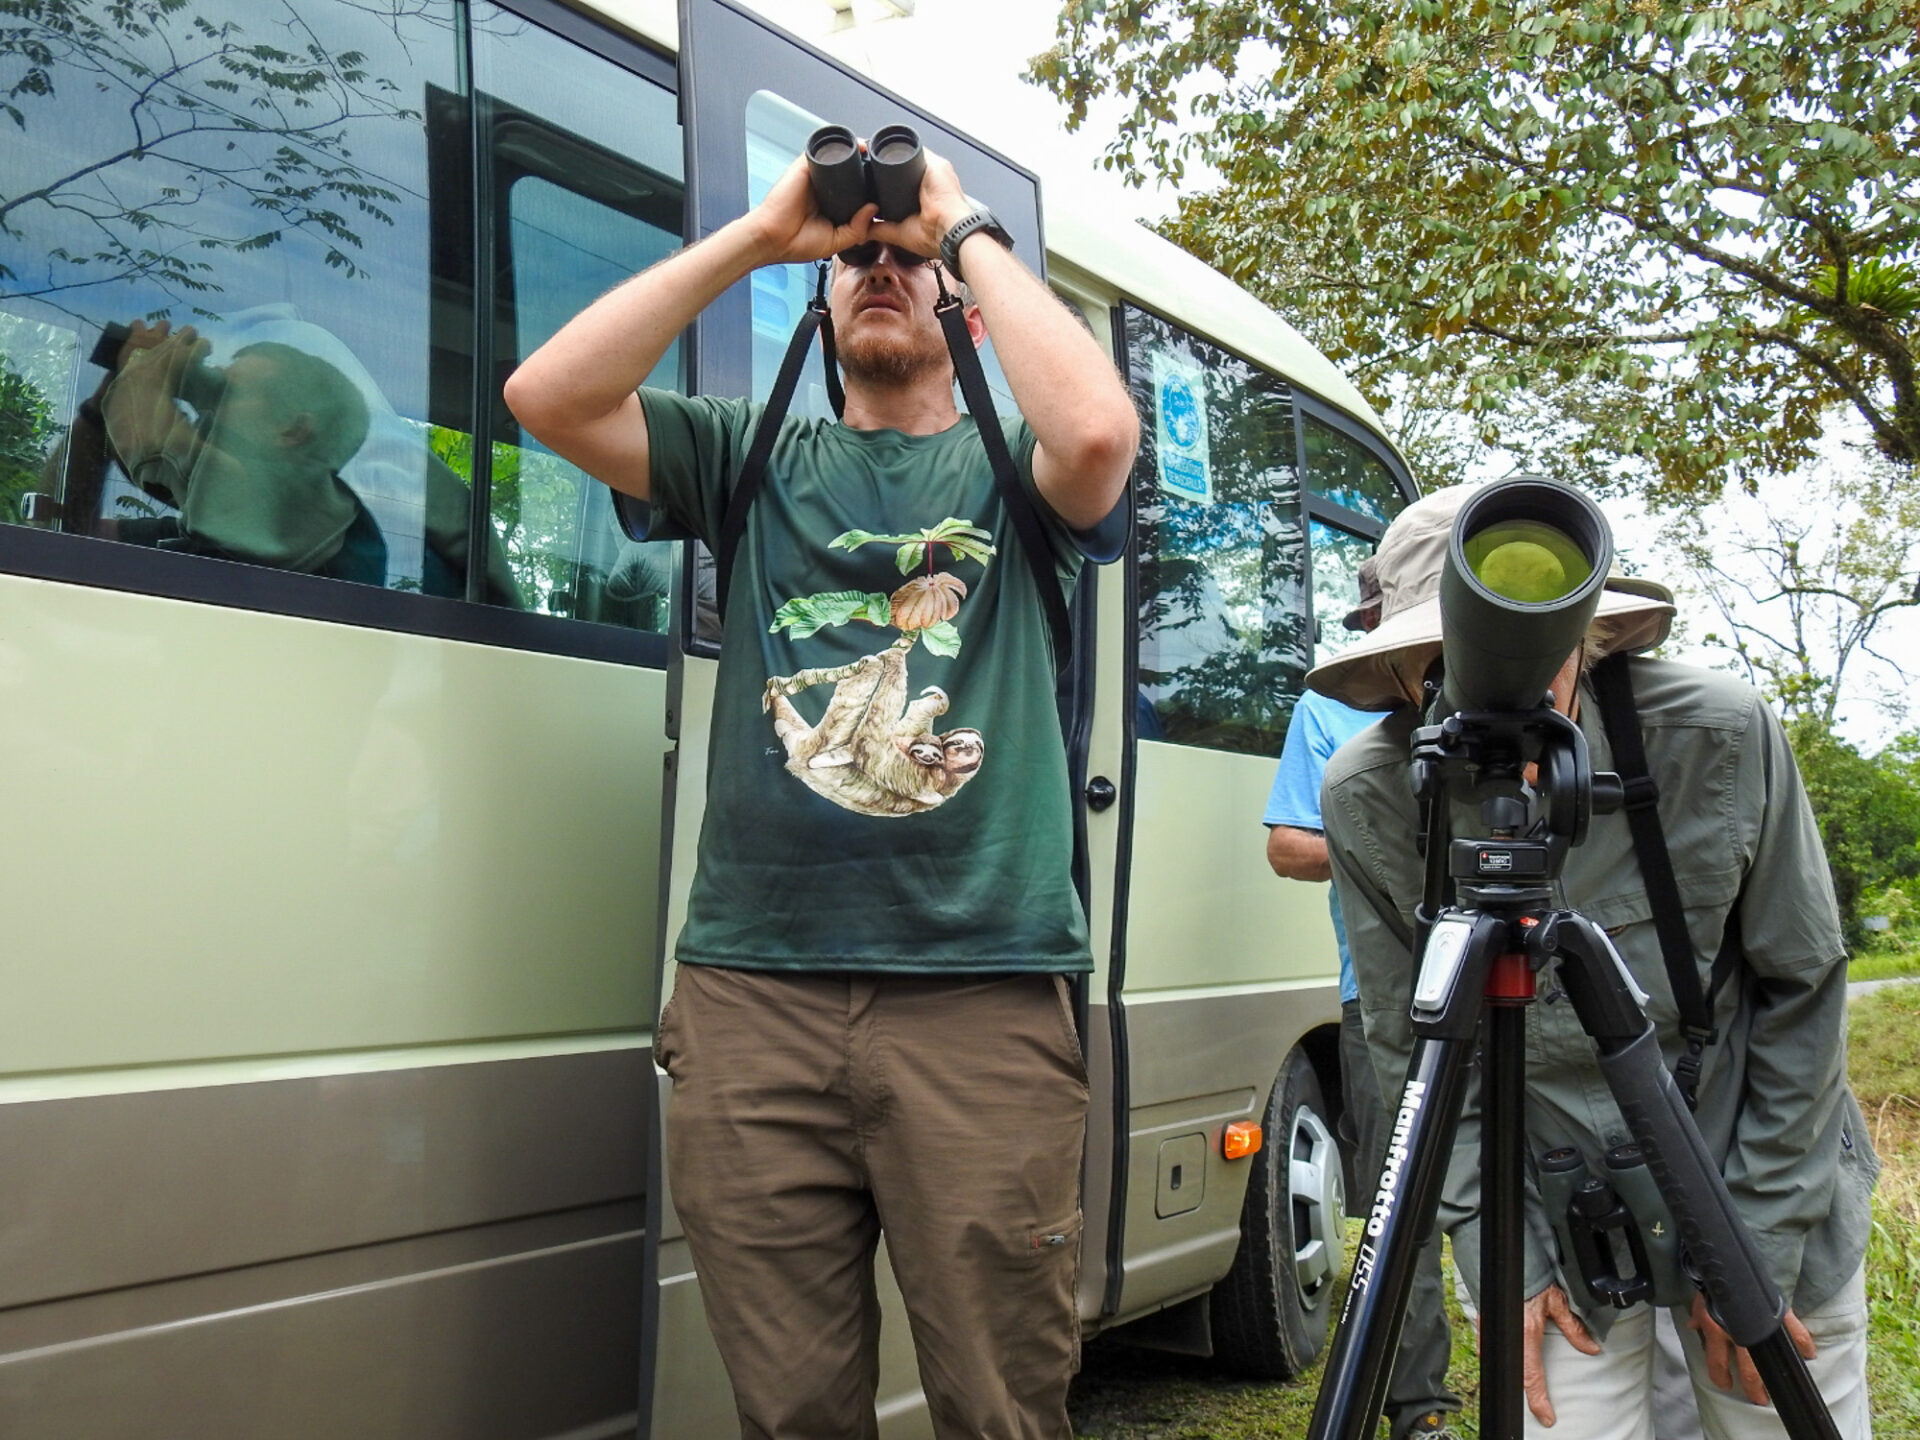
1803, 578
1868, 810
1636, 241
200, 107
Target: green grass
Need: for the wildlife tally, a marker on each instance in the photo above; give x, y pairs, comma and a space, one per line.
1885, 962
1884, 1060
1129, 1394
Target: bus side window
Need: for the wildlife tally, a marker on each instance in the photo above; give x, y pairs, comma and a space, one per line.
174, 170
1224, 642
587, 158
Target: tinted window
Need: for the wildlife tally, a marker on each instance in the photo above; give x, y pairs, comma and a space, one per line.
1222, 550
1341, 469
1336, 587
265, 180
587, 158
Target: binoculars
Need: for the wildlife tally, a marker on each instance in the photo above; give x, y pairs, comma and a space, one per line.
845, 177
201, 386
1525, 565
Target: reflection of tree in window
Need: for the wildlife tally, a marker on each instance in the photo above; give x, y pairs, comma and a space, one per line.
1340, 469
201, 107
1223, 635
27, 432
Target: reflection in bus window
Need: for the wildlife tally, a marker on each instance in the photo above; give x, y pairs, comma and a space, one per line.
587, 155
1223, 556
1336, 587
179, 167
1341, 469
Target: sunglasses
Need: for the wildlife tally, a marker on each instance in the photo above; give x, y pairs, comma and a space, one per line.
867, 254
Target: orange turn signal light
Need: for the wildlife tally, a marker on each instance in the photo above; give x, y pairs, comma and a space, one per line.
1240, 1139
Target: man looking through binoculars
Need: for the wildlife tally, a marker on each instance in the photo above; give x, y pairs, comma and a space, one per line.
1773, 1104
870, 1030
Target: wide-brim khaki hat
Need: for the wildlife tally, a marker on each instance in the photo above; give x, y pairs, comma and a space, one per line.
1634, 614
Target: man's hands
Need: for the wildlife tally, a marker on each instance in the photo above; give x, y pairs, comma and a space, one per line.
790, 228
139, 403
943, 205
1723, 1355
1549, 1305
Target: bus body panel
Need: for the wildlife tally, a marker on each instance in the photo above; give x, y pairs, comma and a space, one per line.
319, 838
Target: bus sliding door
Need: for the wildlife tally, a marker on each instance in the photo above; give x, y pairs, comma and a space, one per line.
750, 95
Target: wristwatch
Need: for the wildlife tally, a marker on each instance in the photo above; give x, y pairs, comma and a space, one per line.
980, 218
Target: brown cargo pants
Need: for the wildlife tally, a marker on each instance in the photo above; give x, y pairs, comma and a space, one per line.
810, 1114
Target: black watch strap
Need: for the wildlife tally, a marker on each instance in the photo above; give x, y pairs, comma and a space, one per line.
981, 218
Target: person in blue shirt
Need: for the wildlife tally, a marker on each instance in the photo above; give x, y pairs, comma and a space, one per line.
1418, 1401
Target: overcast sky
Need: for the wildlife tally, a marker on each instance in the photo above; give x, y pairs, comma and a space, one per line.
962, 60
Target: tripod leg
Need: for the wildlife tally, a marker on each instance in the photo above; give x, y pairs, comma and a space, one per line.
1743, 1296
1446, 1010
1353, 1388
1502, 1255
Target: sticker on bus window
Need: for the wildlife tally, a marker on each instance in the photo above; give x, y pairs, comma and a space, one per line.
1180, 427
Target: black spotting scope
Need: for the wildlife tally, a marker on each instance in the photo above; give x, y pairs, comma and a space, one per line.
845, 177
1525, 565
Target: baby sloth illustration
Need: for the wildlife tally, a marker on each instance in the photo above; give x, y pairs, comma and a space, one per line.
874, 752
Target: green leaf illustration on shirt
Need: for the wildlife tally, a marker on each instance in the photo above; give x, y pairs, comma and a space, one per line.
962, 538
942, 639
811, 614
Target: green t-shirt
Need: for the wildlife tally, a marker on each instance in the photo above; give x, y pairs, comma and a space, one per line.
887, 787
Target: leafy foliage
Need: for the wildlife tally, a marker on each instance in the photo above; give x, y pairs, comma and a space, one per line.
27, 432
1868, 810
202, 108
1633, 240
1804, 575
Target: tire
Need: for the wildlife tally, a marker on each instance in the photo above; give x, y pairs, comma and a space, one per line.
1271, 1311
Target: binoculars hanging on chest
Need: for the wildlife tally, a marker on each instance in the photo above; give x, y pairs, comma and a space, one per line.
846, 176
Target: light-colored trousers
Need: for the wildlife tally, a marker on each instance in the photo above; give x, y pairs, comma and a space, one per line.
1612, 1395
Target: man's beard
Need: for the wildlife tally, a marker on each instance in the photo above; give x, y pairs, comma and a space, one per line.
890, 361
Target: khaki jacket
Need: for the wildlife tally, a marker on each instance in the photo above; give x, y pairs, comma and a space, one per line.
1774, 1106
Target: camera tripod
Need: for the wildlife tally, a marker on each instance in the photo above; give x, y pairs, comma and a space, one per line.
1478, 958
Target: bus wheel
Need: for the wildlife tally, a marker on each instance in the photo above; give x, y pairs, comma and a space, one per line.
1271, 1311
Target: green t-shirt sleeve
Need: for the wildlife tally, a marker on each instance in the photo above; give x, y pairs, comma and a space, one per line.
1100, 543
695, 444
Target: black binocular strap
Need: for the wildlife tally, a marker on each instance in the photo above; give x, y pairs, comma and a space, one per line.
1026, 521
973, 386
753, 470
1613, 685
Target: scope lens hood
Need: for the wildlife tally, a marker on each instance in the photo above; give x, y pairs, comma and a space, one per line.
1525, 566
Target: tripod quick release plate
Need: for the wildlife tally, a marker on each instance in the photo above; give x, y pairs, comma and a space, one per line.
1509, 861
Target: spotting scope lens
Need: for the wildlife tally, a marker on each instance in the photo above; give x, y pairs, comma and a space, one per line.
1528, 561
1525, 567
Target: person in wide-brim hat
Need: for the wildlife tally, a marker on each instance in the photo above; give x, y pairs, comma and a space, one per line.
1384, 668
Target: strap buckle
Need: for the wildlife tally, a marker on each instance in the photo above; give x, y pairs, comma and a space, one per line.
948, 300
1642, 792
1686, 1070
